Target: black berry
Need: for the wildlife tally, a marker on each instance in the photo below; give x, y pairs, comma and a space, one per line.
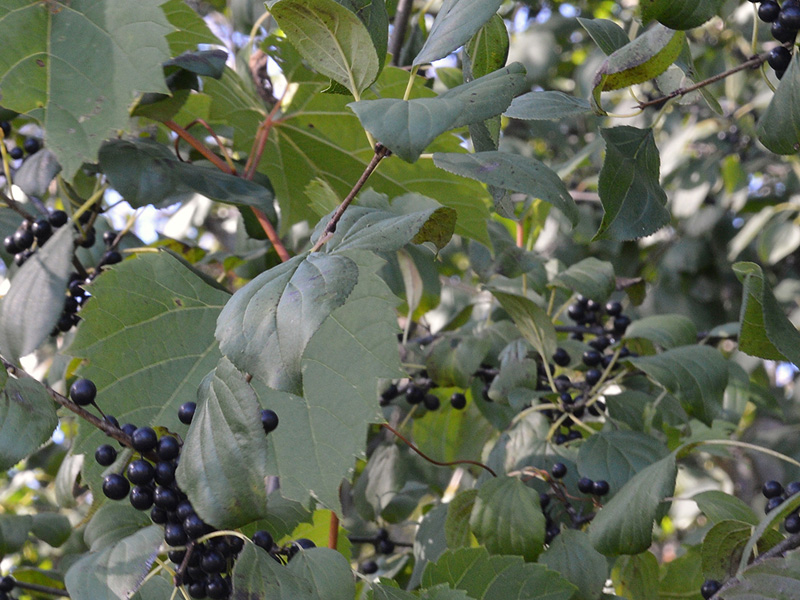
195, 528
431, 402
709, 588
174, 534
168, 448
384, 546
773, 503
769, 11
561, 357
186, 412
6, 127
42, 230
600, 488
105, 455
83, 392
300, 544
7, 582
614, 309
368, 567
141, 497
158, 515
58, 218
23, 238
115, 486
559, 470
212, 562
197, 589
109, 237
269, 420
793, 488
772, 489
140, 472
144, 439
779, 58
792, 523
166, 498
31, 145
414, 394
16, 153
217, 588
585, 485
592, 358
263, 539
458, 401
592, 376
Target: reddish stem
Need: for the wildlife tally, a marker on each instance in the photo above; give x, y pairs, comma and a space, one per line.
436, 462
333, 532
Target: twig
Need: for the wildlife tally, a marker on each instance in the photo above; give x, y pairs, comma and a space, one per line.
436, 462
44, 589
401, 18
333, 532
199, 146
753, 62
15, 206
380, 152
778, 550
178, 578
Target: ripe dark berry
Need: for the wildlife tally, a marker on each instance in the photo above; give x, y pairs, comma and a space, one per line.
141, 497
83, 392
561, 357
176, 556
573, 434
544, 500
773, 503
144, 439
16, 153
576, 312
105, 455
10, 245
368, 567
212, 562
109, 237
186, 412
551, 532
779, 58
263, 539
432, 402
769, 11
23, 238
7, 583
58, 218
158, 515
384, 546
217, 588
614, 309
592, 376
115, 486
140, 472
197, 590
600, 343
793, 488
382, 534
458, 401
236, 544
709, 588
789, 17
559, 470
174, 534
585, 485
42, 230
31, 145
168, 448
389, 394
184, 509
600, 488
21, 257
166, 498
621, 324
414, 394
269, 420
111, 257
559, 439
195, 528
591, 358
792, 523
772, 489
88, 239
6, 127
300, 544
781, 33
563, 383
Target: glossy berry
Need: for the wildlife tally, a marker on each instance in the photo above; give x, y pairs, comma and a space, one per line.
176, 556
389, 394
195, 528
31, 145
115, 486
789, 17
213, 562
263, 539
186, 412
709, 588
585, 485
551, 532
576, 313
773, 503
23, 238
384, 546
144, 439
141, 497
7, 583
768, 11
414, 394
781, 33
368, 567
168, 447
174, 534
105, 455
42, 230
128, 429
184, 509
88, 239
772, 489
158, 515
6, 127
58, 218
792, 523
269, 420
559, 470
458, 401
10, 245
217, 588
431, 402
300, 544
166, 498
793, 488
197, 590
16, 153
591, 358
592, 376
600, 488
621, 324
83, 392
140, 472
111, 257
779, 58
561, 357
109, 237
21, 257
614, 309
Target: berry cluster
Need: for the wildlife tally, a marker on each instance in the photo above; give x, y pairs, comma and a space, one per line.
203, 556
775, 494
7, 584
30, 145
32, 235
557, 473
417, 392
605, 324
785, 23
382, 544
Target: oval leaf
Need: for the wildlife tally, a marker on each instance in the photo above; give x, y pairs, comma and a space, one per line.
779, 127
589, 277
27, 419
680, 14
668, 331
572, 555
616, 456
536, 106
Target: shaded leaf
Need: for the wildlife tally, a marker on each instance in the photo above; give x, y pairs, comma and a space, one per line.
533, 322
764, 330
589, 277
455, 23
488, 48
332, 39
33, 304
512, 172
696, 375
779, 127
375, 17
668, 331
608, 36
724, 545
772, 579
625, 524
719, 506
456, 527
326, 570
680, 14
52, 528
507, 518
27, 419
14, 532
407, 127
113, 522
429, 543
616, 456
535, 106
36, 172
257, 575
453, 359
633, 200
637, 576
572, 555
225, 434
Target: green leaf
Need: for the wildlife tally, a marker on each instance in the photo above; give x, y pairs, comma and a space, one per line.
456, 527
608, 36
190, 29
257, 575
770, 521
486, 577
696, 375
533, 322
265, 326
448, 434
507, 518
724, 545
32, 306
772, 579
322, 196
633, 200
52, 528
668, 331
145, 172
643, 59
154, 296
380, 482
407, 127
116, 571
456, 22
488, 48
225, 434
27, 419
113, 522
14, 532
572, 555
779, 127
327, 571
453, 359
589, 277
683, 576
625, 524
332, 39
680, 14
512, 172
429, 542
617, 456
719, 506
536, 106
764, 330
36, 172
637, 576
375, 17
42, 62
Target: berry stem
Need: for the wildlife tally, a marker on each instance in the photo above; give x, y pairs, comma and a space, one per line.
44, 589
436, 462
15, 206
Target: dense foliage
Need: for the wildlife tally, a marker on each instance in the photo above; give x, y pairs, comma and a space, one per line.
389, 299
